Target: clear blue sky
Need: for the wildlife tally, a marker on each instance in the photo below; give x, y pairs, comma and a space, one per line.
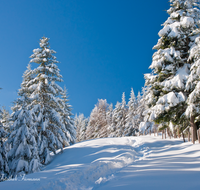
104, 46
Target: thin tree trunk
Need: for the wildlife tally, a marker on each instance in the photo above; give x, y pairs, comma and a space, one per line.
193, 129
175, 133
165, 134
183, 136
188, 135
199, 135
170, 134
162, 134
178, 133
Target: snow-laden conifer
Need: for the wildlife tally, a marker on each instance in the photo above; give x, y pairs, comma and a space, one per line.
23, 156
130, 127
170, 68
5, 119
113, 126
193, 83
46, 102
24, 90
193, 87
97, 126
4, 168
91, 128
120, 115
80, 123
68, 121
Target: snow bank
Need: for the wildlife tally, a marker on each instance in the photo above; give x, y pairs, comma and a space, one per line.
143, 162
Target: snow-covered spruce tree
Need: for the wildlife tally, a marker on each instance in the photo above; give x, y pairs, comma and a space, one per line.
120, 115
109, 119
68, 121
170, 67
193, 86
90, 131
46, 102
5, 120
23, 156
130, 127
4, 168
24, 90
112, 128
80, 123
142, 111
102, 121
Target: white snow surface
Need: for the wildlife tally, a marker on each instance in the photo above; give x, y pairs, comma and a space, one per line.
144, 162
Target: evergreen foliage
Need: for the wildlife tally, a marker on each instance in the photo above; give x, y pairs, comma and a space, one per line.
170, 67
4, 167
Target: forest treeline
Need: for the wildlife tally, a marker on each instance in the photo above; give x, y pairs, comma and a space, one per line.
171, 98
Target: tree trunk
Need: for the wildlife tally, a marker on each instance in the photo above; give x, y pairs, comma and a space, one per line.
188, 135
175, 133
162, 134
183, 136
199, 135
193, 129
165, 133
178, 133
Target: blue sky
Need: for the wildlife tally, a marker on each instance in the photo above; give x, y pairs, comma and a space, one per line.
104, 46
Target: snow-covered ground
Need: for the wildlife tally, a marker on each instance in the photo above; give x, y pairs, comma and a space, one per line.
118, 163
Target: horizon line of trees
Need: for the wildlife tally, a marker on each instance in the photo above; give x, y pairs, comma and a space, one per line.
172, 94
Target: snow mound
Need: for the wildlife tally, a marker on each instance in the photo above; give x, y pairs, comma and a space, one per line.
117, 163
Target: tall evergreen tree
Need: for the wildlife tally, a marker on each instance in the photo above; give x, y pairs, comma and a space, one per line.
97, 121
120, 115
131, 127
23, 156
49, 108
113, 127
193, 86
68, 121
5, 120
4, 168
170, 67
91, 128
80, 123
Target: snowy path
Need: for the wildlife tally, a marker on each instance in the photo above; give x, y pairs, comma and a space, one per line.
168, 164
119, 163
